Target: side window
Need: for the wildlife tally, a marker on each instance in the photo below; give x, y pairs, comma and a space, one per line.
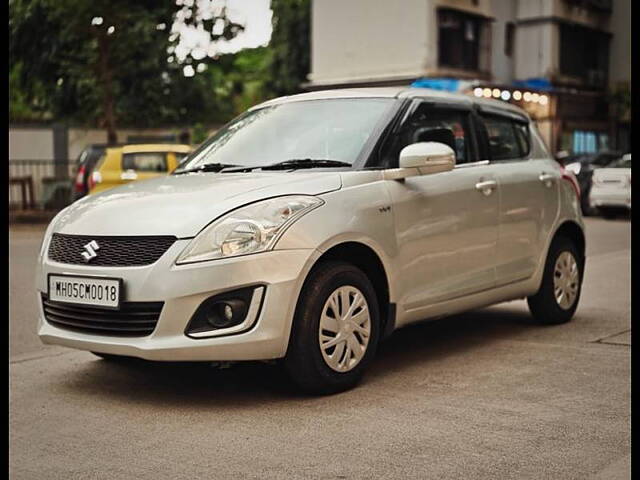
522, 134
431, 124
145, 162
507, 139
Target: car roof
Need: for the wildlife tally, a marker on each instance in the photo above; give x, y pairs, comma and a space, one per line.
398, 92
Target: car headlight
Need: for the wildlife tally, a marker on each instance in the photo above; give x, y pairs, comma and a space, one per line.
574, 167
250, 229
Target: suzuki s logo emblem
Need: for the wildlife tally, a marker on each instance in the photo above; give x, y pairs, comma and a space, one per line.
90, 251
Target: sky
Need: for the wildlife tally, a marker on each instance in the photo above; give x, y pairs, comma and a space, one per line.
257, 20
195, 42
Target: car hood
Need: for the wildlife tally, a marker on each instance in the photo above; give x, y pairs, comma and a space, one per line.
182, 205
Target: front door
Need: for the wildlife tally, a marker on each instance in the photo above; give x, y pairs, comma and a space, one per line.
446, 223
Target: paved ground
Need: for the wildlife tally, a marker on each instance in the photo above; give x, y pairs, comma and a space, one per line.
481, 395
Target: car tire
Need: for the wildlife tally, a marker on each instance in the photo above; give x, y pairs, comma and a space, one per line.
587, 209
557, 299
325, 369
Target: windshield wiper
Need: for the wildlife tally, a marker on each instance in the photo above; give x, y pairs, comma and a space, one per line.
293, 163
207, 167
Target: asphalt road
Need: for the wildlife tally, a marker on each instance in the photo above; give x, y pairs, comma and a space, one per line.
486, 394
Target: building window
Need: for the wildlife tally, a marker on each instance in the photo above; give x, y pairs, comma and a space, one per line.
509, 34
458, 39
584, 54
582, 141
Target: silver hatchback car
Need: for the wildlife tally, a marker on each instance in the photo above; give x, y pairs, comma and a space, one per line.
310, 228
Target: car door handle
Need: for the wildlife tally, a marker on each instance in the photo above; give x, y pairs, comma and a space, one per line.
128, 175
546, 178
486, 186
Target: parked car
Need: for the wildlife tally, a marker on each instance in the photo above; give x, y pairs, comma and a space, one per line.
84, 167
135, 162
313, 226
611, 189
583, 167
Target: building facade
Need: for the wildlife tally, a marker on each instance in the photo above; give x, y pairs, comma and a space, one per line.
567, 62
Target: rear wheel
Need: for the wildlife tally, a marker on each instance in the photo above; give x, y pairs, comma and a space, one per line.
557, 299
335, 331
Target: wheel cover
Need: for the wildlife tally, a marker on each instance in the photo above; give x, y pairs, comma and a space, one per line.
345, 327
565, 280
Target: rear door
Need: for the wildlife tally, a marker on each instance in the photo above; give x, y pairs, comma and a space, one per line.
446, 223
528, 184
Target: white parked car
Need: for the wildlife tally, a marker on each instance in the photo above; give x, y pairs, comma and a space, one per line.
313, 226
611, 188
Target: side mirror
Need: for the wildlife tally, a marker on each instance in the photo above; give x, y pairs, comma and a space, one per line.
422, 158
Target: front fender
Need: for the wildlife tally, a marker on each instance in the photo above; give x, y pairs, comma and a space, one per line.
361, 213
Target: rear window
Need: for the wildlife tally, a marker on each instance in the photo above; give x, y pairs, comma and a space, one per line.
145, 162
507, 139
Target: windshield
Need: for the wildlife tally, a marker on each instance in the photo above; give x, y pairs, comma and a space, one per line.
332, 129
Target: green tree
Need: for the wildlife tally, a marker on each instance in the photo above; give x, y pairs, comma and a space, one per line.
23, 107
290, 45
104, 62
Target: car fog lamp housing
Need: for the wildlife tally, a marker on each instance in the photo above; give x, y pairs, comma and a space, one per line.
224, 314
250, 229
231, 312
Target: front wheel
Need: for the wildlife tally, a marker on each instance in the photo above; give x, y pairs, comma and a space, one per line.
557, 299
335, 331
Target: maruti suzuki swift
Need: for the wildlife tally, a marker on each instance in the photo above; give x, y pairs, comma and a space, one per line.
311, 227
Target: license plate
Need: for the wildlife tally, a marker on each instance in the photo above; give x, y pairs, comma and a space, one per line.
94, 291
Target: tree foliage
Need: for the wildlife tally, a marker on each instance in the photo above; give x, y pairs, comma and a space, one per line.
290, 45
78, 70
66, 65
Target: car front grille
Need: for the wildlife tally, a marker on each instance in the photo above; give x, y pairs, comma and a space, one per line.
133, 319
111, 251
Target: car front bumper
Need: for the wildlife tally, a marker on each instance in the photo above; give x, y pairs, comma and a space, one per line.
183, 288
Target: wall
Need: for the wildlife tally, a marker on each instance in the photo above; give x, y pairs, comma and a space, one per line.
79, 138
368, 39
36, 143
30, 143
620, 46
536, 52
502, 65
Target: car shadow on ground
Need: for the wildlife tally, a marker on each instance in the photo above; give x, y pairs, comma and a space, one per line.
245, 383
620, 217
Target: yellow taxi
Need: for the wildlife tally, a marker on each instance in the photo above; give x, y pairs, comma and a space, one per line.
120, 165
